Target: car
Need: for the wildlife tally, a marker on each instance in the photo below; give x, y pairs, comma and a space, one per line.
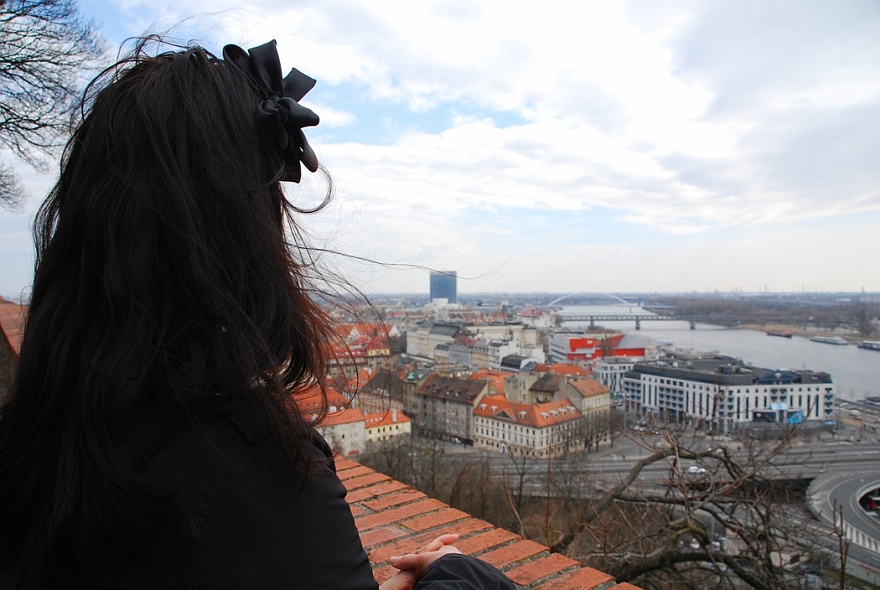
696, 470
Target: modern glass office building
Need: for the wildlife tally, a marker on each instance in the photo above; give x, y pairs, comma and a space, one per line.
444, 285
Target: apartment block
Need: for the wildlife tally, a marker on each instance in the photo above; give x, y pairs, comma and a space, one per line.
727, 393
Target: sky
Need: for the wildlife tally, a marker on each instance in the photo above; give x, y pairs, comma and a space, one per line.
589, 146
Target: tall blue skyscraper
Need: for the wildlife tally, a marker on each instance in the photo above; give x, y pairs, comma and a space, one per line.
444, 285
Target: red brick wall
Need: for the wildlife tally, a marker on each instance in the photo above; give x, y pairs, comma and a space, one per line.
393, 519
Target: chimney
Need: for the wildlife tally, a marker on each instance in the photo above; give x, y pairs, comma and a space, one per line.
394, 414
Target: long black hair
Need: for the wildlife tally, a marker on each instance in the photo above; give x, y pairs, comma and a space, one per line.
168, 266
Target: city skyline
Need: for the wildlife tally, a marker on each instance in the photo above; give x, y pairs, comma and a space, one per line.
595, 147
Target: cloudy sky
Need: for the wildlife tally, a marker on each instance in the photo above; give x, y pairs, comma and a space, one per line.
569, 146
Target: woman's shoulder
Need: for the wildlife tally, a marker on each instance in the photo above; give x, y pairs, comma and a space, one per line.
256, 518
250, 515
182, 448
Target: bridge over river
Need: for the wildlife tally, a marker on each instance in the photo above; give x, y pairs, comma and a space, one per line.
693, 320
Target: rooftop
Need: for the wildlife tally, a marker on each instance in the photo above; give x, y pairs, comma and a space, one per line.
589, 387
535, 415
451, 387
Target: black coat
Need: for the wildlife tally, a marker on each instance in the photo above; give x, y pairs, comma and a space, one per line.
246, 518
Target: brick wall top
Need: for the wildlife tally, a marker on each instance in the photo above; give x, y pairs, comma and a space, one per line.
393, 518
12, 324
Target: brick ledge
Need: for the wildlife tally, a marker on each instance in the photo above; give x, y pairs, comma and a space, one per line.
393, 518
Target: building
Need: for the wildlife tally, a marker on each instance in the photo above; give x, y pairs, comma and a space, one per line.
567, 346
344, 430
532, 430
547, 387
386, 426
342, 426
382, 392
499, 350
444, 285
446, 407
594, 402
425, 338
360, 346
536, 318
495, 379
516, 363
724, 394
517, 388
611, 371
576, 346
412, 378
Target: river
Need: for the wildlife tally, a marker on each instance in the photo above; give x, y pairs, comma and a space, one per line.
855, 371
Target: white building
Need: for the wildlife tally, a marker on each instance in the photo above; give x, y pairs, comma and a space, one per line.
541, 430
344, 431
383, 426
422, 341
726, 393
611, 371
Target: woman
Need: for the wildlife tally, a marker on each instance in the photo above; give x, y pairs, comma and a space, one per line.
151, 440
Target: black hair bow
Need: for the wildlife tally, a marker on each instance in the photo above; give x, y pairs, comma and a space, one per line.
283, 117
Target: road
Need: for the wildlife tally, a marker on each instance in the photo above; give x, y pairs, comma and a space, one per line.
841, 469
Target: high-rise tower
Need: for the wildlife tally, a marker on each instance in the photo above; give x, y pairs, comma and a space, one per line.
444, 285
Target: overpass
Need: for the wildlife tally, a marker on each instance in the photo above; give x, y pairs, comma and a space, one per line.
834, 499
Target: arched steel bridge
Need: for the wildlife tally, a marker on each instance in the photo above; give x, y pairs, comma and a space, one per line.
592, 295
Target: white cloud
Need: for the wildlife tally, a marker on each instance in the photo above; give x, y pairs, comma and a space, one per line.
677, 122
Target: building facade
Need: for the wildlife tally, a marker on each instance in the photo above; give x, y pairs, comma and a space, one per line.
611, 371
446, 407
382, 392
444, 285
532, 430
725, 394
422, 341
344, 430
594, 401
578, 346
386, 426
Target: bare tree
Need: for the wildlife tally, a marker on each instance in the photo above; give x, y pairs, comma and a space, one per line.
45, 48
839, 532
692, 513
717, 518
11, 193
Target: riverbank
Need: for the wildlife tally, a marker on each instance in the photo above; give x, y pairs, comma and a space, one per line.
851, 336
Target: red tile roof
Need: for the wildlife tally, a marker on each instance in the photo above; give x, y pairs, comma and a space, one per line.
311, 400
342, 416
378, 419
536, 415
589, 387
496, 377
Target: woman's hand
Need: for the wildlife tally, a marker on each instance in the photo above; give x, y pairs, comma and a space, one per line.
413, 565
